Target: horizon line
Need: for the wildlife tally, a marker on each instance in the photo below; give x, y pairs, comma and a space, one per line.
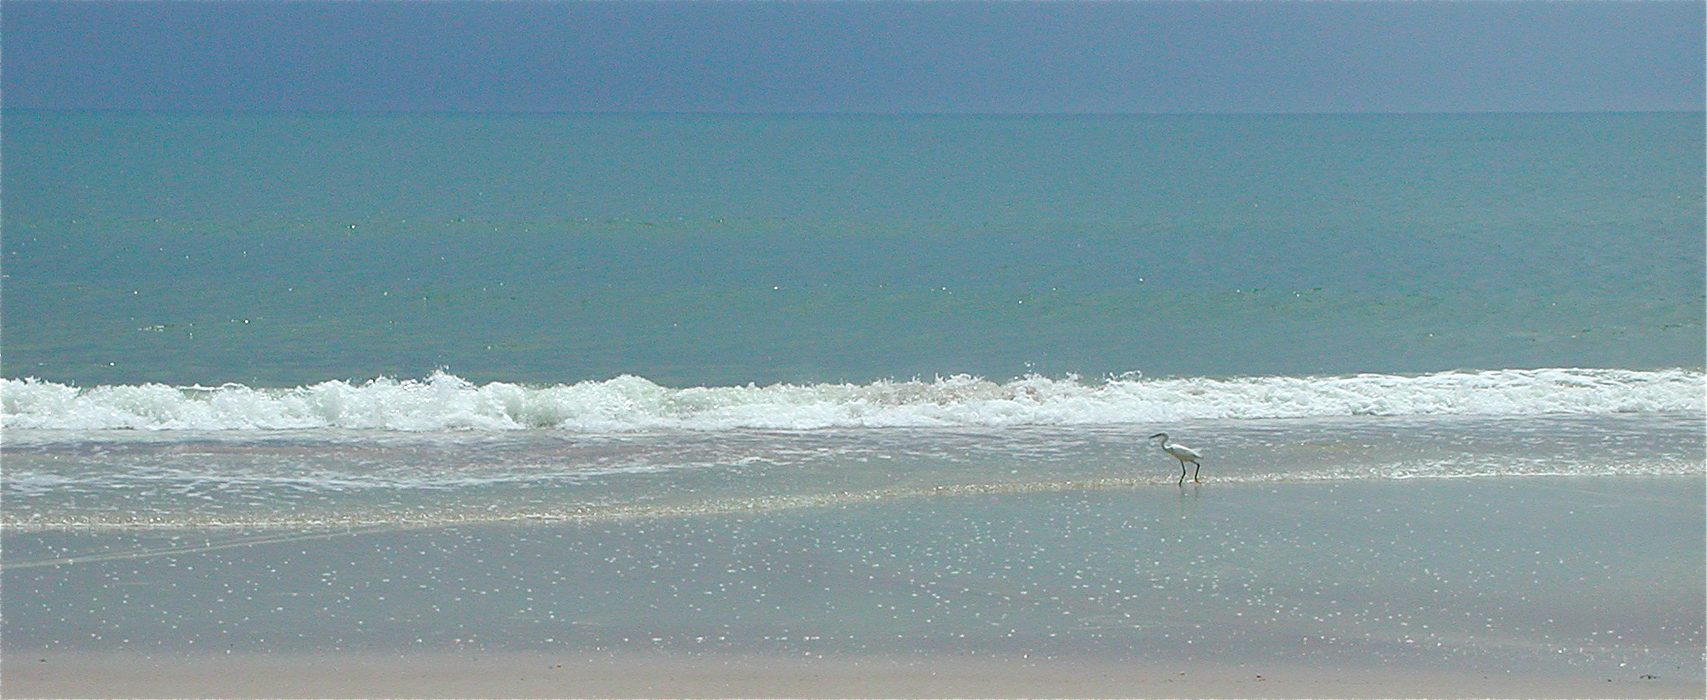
829, 113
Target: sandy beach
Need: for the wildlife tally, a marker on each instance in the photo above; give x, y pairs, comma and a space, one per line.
546, 675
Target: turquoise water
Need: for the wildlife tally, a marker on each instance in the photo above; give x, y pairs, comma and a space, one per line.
282, 250
770, 384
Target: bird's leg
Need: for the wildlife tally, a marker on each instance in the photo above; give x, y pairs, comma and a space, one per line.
1182, 472
1195, 472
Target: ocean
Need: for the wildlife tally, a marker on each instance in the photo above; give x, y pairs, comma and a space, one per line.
858, 384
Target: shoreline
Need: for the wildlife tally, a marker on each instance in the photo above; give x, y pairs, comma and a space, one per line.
540, 674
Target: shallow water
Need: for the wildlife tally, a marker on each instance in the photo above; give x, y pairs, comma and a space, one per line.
1585, 574
314, 478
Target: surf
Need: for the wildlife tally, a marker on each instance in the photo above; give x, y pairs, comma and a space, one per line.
626, 403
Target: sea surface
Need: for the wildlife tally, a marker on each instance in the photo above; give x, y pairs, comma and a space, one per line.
813, 384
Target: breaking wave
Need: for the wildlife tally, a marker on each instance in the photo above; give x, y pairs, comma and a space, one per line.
444, 402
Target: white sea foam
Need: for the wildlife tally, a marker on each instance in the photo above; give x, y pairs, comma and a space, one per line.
445, 402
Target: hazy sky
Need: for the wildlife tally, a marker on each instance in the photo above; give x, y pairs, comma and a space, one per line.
862, 56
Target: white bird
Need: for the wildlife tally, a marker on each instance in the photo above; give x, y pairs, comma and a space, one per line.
1183, 454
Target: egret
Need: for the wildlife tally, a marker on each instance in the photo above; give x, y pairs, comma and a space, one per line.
1183, 454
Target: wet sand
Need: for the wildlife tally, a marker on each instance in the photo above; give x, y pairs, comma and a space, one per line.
1535, 587
528, 675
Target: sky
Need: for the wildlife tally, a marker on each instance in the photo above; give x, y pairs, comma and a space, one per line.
872, 56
